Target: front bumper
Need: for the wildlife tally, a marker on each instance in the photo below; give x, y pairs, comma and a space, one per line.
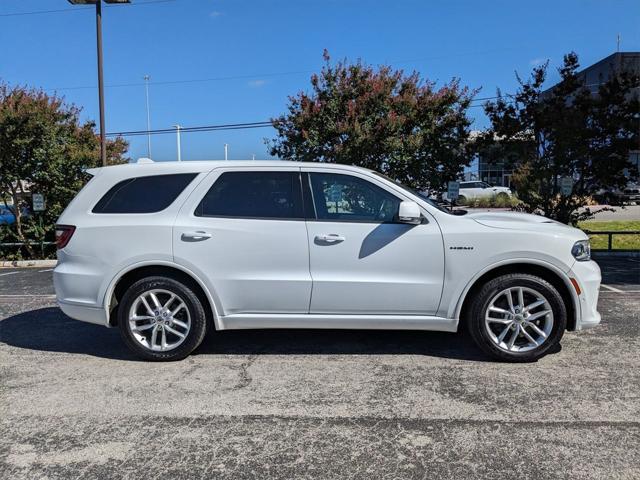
588, 276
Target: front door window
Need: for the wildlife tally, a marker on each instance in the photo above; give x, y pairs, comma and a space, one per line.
344, 198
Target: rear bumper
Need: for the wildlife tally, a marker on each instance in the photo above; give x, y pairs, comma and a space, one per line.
588, 276
84, 313
77, 283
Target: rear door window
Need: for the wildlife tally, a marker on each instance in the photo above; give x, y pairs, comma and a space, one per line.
148, 194
259, 194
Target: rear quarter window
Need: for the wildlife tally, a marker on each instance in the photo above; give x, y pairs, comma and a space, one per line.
148, 194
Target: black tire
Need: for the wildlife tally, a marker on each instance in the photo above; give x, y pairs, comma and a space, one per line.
196, 315
475, 318
462, 200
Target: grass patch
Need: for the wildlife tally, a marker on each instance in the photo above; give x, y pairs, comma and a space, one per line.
620, 242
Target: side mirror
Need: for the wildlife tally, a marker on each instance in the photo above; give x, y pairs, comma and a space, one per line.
409, 212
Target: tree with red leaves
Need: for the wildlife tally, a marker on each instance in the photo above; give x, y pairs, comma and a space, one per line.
44, 148
380, 119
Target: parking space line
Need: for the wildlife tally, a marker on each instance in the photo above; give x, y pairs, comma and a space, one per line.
27, 296
8, 273
611, 289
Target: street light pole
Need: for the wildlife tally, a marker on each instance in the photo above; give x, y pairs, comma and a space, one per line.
146, 89
98, 3
178, 127
226, 151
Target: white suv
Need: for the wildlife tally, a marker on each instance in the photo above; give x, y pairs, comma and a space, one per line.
165, 251
478, 190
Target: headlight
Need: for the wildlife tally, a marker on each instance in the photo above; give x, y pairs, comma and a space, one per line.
581, 250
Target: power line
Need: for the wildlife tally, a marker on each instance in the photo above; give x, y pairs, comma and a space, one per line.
261, 124
512, 97
193, 80
251, 125
39, 12
212, 128
203, 128
209, 79
19, 14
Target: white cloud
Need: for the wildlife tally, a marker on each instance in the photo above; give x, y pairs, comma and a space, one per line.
256, 83
215, 14
537, 61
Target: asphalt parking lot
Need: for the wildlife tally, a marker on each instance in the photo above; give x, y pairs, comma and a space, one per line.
315, 404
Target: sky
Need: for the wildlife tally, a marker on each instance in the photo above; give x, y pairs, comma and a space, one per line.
234, 61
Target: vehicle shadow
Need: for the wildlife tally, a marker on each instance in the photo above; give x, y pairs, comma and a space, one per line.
381, 236
49, 330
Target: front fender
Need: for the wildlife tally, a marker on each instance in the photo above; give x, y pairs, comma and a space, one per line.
454, 305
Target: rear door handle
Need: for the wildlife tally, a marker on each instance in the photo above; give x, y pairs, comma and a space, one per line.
330, 238
195, 236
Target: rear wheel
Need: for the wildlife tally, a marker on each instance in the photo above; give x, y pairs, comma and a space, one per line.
517, 318
462, 200
161, 319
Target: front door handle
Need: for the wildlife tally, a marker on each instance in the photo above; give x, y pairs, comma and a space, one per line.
195, 236
330, 238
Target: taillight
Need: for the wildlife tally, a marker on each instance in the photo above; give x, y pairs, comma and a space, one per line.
63, 235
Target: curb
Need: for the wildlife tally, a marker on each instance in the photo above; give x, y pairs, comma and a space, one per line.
27, 263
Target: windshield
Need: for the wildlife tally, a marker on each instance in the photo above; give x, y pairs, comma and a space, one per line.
423, 196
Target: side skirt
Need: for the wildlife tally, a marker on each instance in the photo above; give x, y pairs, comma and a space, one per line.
356, 322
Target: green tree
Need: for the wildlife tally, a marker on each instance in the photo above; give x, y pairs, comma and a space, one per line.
44, 148
567, 132
381, 119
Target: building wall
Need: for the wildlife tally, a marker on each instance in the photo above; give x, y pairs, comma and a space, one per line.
616, 63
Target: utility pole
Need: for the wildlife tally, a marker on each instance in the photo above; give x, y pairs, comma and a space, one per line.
226, 150
178, 127
103, 140
618, 42
98, 3
146, 88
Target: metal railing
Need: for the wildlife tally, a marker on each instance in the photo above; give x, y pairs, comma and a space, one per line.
36, 244
610, 234
24, 244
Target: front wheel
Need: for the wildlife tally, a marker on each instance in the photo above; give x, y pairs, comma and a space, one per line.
161, 319
517, 318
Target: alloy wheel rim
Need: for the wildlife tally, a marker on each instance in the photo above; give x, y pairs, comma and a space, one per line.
159, 320
519, 319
